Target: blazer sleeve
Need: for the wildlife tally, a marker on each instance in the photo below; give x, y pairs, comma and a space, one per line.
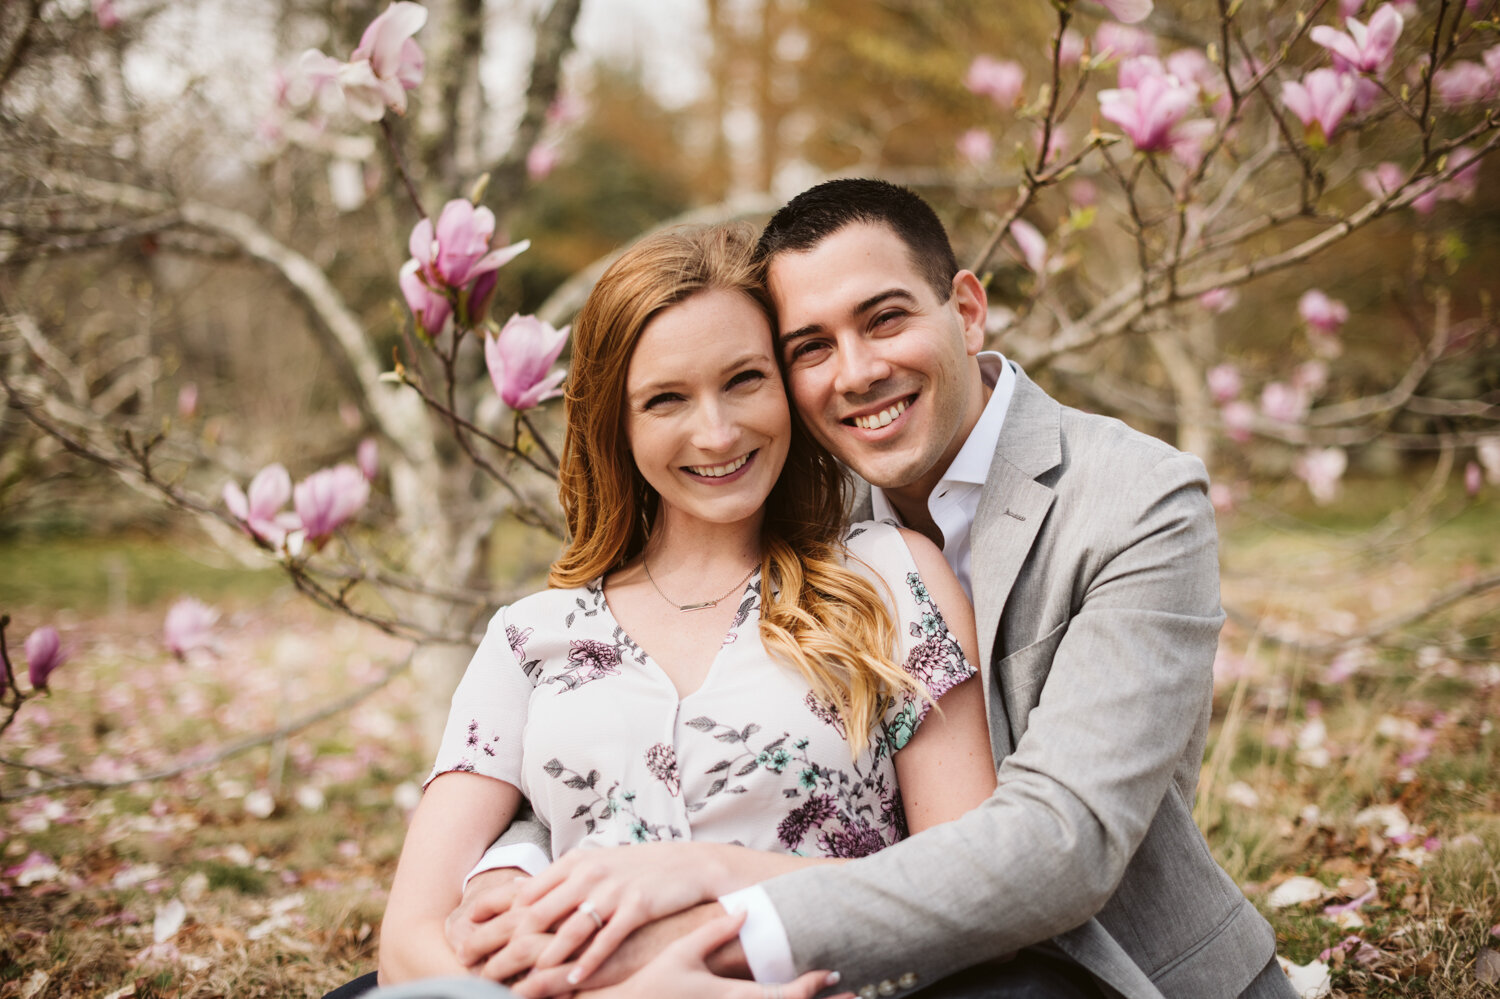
1127, 694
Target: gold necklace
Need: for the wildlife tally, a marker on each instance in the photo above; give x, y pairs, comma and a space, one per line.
707, 603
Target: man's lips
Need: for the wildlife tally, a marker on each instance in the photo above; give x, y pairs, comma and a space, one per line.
880, 418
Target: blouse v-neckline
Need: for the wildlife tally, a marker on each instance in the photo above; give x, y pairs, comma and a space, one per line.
735, 624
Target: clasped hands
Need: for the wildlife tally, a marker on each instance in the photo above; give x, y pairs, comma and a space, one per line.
561, 933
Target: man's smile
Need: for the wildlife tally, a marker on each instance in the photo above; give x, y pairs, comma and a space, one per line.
882, 417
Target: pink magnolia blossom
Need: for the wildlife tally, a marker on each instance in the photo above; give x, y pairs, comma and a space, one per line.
368, 458
1239, 420
1031, 243
1149, 104
1129, 11
1310, 377
1384, 180
519, 358
187, 401
1000, 80
1348, 8
1365, 48
386, 64
1070, 52
326, 499
1463, 82
44, 653
1219, 299
454, 257
109, 18
1222, 497
1224, 382
1323, 97
542, 159
1473, 478
1321, 469
1116, 41
1283, 403
1321, 312
189, 625
431, 309
975, 146
260, 511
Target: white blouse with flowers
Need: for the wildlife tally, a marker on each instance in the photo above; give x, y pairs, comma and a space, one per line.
560, 702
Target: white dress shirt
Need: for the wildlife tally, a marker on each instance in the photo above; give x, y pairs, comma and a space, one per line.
952, 504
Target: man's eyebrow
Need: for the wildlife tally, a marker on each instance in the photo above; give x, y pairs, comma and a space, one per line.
860, 309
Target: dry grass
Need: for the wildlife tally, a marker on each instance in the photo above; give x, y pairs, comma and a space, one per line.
286, 905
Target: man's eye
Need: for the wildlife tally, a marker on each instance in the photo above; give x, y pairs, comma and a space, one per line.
808, 348
887, 317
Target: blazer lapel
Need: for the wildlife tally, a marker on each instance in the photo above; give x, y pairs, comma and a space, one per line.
1011, 510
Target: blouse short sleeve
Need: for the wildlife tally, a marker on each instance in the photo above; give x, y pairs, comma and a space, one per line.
925, 647
487, 718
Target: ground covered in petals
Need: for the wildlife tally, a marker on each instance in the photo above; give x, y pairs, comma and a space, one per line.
1351, 784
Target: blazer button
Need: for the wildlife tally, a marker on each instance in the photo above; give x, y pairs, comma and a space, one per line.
907, 980
868, 992
887, 988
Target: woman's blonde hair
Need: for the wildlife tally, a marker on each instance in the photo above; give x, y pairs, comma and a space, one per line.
827, 620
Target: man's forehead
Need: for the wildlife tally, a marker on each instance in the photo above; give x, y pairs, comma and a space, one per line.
843, 270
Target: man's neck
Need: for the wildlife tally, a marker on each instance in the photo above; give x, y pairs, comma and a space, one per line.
911, 501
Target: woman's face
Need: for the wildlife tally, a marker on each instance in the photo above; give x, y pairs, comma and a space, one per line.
706, 412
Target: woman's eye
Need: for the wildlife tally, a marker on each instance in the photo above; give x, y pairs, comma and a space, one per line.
661, 399
746, 377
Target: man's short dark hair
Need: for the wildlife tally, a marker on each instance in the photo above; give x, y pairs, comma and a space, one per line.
821, 211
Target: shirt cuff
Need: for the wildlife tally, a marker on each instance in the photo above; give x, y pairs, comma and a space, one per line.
527, 856
763, 937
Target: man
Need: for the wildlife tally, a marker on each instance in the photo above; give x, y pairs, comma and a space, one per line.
1090, 553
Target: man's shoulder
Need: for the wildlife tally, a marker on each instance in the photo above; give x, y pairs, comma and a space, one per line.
1093, 442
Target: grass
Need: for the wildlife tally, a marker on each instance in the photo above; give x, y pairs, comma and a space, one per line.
287, 904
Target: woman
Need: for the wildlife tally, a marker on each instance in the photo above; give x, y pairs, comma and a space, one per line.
720, 668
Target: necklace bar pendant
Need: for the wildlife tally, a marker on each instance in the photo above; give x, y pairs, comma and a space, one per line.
692, 607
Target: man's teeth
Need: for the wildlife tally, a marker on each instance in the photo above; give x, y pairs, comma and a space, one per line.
882, 418
718, 471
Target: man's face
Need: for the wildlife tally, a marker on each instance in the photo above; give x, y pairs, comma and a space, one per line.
882, 372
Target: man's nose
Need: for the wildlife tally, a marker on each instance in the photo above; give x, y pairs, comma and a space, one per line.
860, 367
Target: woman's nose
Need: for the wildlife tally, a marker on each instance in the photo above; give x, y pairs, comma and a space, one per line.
717, 429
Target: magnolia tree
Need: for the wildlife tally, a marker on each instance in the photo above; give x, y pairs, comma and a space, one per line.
1165, 166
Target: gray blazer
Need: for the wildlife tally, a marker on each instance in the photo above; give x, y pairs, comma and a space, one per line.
1096, 590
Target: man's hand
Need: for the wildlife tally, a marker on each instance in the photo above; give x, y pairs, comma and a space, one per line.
681, 972
471, 928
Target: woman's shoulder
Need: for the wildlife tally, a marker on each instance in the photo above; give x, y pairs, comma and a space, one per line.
885, 540
543, 604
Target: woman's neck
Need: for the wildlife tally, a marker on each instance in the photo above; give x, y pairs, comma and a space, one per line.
703, 548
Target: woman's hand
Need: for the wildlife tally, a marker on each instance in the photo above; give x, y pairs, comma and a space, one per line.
681, 972
605, 894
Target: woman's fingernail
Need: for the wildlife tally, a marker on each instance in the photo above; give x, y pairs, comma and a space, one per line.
575, 976
833, 979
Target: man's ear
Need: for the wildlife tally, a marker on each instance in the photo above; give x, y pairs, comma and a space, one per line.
973, 308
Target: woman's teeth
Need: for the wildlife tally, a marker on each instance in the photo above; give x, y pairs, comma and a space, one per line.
882, 418
719, 471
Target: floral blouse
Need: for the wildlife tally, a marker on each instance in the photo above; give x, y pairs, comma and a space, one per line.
560, 702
